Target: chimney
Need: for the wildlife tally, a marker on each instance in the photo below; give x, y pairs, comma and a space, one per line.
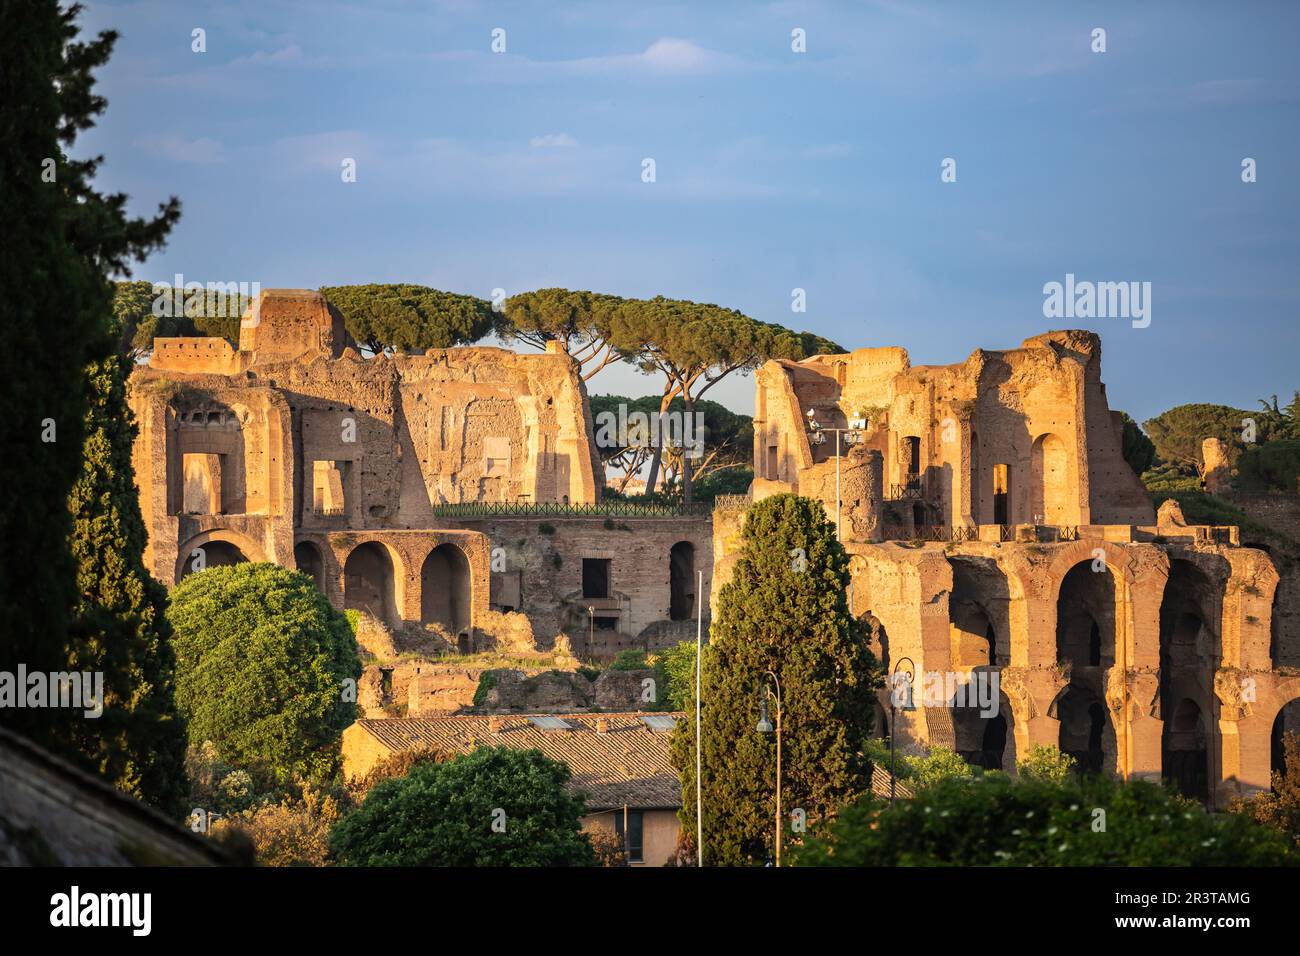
602, 725
496, 724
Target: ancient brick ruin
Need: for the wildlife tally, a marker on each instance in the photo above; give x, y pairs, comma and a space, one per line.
440, 493
995, 528
993, 524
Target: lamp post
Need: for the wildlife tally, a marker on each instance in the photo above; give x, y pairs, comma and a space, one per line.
818, 435
765, 727
909, 673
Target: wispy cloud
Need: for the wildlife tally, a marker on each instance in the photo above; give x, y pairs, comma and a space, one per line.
181, 150
552, 140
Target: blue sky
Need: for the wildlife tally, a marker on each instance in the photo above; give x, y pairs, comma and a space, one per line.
775, 170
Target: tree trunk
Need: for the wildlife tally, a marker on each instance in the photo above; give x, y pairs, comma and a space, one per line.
653, 478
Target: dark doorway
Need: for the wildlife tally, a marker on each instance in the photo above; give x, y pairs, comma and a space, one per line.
681, 573
445, 589
595, 577
368, 582
1001, 494
1185, 757
307, 556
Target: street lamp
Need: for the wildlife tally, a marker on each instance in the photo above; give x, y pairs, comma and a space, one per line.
818, 436
765, 727
907, 674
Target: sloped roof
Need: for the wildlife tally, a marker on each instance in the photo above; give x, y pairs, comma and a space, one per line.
627, 764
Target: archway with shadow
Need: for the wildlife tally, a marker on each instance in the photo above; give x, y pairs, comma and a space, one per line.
308, 558
878, 640
1085, 618
369, 582
215, 554
445, 589
1086, 733
983, 739
1185, 755
1190, 611
1286, 722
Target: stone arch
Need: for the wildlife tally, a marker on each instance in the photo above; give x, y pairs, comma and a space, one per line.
220, 547
372, 581
979, 613
981, 738
1184, 750
446, 589
681, 581
307, 557
1049, 481
1086, 617
1086, 732
878, 638
1286, 720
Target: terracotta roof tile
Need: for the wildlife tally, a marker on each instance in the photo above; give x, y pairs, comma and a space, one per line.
627, 764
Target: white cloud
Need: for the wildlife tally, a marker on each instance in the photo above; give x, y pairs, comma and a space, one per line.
181, 150
552, 140
667, 55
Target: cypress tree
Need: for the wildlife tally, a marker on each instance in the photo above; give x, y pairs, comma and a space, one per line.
121, 628
784, 610
63, 240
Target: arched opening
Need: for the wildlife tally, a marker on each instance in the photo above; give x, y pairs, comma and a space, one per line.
681, 581
1001, 494
211, 554
1049, 491
878, 640
981, 727
1085, 617
308, 558
973, 639
368, 582
918, 516
445, 589
912, 459
1184, 754
1085, 731
1286, 722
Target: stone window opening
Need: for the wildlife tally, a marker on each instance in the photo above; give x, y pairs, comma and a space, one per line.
329, 488
1001, 494
631, 833
595, 577
681, 574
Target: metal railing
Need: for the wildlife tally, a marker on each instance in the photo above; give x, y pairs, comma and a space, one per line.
601, 509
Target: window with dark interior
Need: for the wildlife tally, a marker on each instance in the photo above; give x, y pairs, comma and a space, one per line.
595, 577
634, 833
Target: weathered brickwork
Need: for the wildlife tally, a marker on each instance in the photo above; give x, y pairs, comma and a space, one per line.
294, 449
996, 531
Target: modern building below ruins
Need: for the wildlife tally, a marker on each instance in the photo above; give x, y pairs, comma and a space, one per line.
994, 526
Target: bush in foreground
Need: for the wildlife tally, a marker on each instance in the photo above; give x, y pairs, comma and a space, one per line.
261, 661
492, 807
997, 821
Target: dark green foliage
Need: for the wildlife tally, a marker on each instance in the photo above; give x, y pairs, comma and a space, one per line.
781, 614
120, 628
1178, 433
630, 660
442, 814
675, 677
1274, 466
62, 240
1279, 807
261, 664
579, 322
993, 820
135, 326
1138, 450
410, 318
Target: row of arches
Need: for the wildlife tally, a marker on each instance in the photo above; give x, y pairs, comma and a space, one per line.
370, 580
1090, 601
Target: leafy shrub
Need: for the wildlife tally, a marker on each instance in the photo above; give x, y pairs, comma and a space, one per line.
1280, 807
486, 681
630, 660
492, 807
675, 676
260, 662
293, 832
993, 820
1045, 762
940, 763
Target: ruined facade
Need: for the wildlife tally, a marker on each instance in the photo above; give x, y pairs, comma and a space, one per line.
384, 478
996, 531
